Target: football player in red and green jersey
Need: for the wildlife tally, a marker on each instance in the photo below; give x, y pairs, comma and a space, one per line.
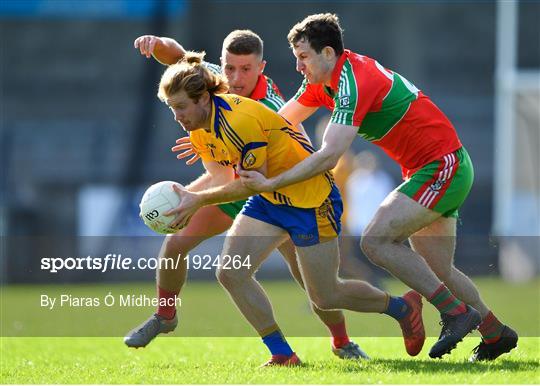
383, 107
243, 66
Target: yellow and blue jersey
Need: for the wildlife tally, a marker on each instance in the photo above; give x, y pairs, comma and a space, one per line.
245, 132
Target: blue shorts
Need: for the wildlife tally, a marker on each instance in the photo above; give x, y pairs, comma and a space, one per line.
306, 226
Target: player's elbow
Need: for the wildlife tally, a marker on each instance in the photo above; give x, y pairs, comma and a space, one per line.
330, 159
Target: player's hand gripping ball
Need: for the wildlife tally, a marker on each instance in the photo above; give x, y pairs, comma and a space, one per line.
158, 199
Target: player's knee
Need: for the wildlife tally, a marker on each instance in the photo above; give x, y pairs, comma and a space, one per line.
326, 304
370, 246
171, 251
443, 273
174, 245
298, 277
229, 277
223, 277
324, 301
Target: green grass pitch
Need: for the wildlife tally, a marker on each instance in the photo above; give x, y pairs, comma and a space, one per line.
190, 357
236, 361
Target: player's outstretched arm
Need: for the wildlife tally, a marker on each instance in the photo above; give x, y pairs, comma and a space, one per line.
295, 112
337, 139
165, 50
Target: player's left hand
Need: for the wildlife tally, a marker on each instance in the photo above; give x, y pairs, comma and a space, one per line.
255, 181
189, 204
184, 145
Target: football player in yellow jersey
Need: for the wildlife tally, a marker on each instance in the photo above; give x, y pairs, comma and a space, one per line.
232, 131
242, 64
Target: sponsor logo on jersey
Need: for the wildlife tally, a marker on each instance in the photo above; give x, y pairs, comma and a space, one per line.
249, 160
322, 211
344, 101
437, 185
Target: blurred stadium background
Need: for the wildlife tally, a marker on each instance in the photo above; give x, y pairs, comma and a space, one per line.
83, 134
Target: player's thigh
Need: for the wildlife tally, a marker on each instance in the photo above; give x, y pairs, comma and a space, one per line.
208, 221
205, 223
249, 236
437, 189
397, 218
436, 243
442, 185
319, 266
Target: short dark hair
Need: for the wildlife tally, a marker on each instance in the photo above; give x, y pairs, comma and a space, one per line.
320, 30
243, 42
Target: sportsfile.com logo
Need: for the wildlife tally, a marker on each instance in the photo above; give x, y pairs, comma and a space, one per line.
117, 262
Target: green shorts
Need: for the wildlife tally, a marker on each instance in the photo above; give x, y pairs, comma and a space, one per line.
232, 209
442, 185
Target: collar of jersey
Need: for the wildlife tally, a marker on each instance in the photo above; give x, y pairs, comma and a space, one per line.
337, 70
218, 103
259, 92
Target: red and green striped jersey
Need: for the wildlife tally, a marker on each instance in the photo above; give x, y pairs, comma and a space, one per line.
388, 110
265, 91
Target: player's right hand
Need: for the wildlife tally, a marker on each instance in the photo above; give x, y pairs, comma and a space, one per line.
256, 181
146, 44
189, 203
185, 146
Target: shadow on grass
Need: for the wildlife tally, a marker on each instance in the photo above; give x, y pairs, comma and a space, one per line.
434, 366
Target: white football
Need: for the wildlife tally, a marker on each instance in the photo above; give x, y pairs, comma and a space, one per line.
158, 199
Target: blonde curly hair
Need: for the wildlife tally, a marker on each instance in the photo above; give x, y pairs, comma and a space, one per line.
192, 76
